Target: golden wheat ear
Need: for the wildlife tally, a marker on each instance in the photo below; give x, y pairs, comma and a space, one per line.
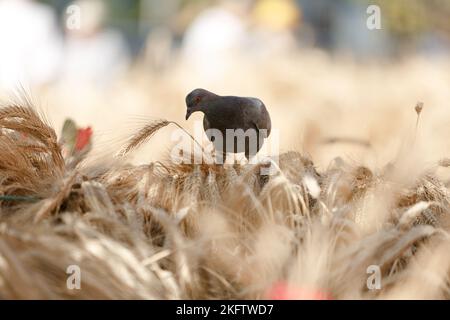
20, 120
31, 162
143, 135
147, 132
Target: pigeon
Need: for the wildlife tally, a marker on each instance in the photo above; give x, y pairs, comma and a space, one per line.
230, 112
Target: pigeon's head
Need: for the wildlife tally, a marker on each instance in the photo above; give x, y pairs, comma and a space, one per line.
196, 101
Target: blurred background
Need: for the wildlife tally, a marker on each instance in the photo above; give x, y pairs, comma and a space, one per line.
334, 85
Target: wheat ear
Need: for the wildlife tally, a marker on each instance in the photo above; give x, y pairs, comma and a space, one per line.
147, 132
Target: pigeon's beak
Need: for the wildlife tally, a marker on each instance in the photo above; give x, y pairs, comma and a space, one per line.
188, 113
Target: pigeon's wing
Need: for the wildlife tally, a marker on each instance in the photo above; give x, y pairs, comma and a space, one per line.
256, 116
264, 121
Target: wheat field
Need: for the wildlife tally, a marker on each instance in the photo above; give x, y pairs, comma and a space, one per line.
361, 181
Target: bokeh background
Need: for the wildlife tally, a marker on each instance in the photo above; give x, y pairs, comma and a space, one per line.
333, 87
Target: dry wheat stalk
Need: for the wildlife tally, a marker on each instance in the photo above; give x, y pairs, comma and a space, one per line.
207, 231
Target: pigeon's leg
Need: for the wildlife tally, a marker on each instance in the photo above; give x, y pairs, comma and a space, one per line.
250, 154
251, 149
221, 157
250, 158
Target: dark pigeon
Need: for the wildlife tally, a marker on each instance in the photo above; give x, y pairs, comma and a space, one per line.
230, 112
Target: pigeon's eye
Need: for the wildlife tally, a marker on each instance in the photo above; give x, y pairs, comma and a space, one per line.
197, 99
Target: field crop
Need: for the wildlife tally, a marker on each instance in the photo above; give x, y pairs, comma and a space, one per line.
361, 184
